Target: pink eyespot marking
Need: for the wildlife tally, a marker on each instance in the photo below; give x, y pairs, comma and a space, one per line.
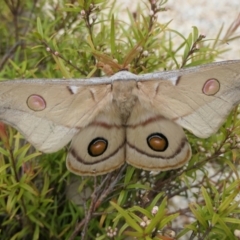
211, 87
36, 102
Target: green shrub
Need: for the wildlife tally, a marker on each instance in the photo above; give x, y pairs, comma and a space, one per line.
40, 199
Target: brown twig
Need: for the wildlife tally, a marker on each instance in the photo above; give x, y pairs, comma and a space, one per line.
10, 53
97, 197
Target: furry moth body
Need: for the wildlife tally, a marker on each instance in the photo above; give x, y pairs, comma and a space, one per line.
124, 118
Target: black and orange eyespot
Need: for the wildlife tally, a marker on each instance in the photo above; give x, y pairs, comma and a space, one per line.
97, 147
157, 142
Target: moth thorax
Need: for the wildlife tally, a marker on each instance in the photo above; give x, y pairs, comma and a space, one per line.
124, 98
126, 108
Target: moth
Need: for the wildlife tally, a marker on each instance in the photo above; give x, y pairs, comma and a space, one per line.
138, 119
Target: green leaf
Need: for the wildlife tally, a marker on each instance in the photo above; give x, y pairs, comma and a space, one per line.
226, 229
231, 220
198, 214
215, 218
208, 201
158, 217
127, 217
227, 202
188, 45
39, 27
36, 232
195, 33
28, 188
112, 36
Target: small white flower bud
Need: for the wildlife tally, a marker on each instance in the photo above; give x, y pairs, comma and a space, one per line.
154, 210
